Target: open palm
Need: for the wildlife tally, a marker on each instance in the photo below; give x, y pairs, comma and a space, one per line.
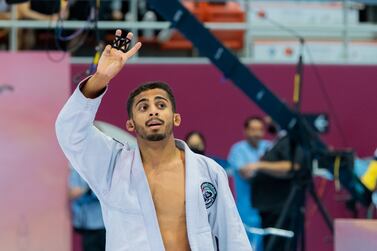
113, 60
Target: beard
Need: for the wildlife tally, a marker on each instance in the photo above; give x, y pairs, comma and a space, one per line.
154, 136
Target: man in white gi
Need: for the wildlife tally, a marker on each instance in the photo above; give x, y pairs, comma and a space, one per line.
160, 196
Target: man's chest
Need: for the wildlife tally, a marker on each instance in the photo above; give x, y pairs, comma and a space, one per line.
167, 186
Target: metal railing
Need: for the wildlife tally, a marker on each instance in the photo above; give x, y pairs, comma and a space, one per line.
344, 32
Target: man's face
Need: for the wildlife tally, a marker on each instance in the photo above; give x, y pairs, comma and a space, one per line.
152, 116
255, 132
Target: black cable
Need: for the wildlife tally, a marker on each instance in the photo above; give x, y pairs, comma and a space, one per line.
82, 36
95, 5
47, 49
317, 74
328, 101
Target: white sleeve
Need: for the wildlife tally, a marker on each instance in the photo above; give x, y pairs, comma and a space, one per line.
227, 227
91, 153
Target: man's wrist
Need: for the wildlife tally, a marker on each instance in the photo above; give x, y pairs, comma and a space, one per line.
100, 79
94, 86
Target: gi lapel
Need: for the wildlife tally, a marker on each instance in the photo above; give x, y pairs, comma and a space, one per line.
192, 195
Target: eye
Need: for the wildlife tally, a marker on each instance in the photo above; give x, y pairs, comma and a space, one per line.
143, 107
161, 105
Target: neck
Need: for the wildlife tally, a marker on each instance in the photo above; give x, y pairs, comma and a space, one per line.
155, 153
253, 144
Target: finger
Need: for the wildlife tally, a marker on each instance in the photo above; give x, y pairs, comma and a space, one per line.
129, 36
133, 50
116, 42
107, 50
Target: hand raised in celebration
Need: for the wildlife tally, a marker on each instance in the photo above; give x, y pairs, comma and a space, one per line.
112, 59
109, 65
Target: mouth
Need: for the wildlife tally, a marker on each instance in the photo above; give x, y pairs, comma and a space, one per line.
154, 123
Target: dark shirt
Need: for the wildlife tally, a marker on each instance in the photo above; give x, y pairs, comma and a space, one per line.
45, 7
269, 192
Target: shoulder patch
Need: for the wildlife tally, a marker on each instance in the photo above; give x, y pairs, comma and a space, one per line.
209, 193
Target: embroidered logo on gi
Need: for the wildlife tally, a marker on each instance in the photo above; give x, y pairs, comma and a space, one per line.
209, 193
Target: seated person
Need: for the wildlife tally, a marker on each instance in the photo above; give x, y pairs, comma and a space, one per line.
4, 15
41, 11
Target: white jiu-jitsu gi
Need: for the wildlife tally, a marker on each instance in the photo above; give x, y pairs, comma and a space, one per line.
116, 175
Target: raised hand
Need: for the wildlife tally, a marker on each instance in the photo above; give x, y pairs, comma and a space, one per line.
112, 60
109, 65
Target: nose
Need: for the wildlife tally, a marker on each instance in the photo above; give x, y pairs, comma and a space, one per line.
153, 111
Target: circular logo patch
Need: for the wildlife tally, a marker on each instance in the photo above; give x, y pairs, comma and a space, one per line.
209, 193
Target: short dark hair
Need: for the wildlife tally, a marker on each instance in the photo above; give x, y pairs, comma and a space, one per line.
150, 86
192, 133
251, 118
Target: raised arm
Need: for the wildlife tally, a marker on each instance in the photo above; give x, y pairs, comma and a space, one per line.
90, 152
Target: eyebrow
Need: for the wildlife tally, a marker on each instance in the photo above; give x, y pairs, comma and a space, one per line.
160, 97
141, 100
144, 99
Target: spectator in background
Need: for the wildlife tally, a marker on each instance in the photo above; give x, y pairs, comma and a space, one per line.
4, 15
272, 179
42, 11
83, 10
108, 10
86, 214
196, 141
116, 10
243, 154
39, 10
4, 10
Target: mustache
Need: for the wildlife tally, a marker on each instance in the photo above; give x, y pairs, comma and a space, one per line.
154, 119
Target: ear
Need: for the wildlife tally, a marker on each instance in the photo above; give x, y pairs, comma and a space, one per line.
130, 125
177, 119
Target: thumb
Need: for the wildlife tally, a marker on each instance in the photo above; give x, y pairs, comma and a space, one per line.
107, 49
